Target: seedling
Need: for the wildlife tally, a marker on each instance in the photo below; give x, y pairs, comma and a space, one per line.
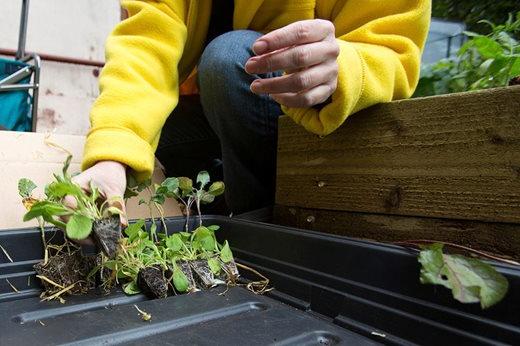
184, 261
88, 215
145, 260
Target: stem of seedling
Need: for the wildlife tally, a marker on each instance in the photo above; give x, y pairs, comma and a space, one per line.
161, 215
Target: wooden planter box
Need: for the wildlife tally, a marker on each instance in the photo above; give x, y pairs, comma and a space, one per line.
442, 168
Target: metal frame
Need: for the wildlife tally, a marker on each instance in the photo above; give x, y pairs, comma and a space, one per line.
9, 83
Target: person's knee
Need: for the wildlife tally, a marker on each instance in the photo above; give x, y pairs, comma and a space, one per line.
224, 58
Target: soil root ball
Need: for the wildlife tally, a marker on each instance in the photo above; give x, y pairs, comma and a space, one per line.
152, 282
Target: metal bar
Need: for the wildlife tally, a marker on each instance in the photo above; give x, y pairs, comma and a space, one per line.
17, 76
15, 87
57, 58
36, 90
23, 30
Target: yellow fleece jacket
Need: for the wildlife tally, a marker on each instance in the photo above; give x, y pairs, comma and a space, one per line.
149, 54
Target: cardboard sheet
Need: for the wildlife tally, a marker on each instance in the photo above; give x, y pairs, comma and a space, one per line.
25, 155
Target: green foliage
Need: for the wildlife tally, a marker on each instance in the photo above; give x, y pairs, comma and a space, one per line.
51, 209
484, 61
25, 187
78, 226
225, 254
469, 279
471, 12
138, 250
180, 281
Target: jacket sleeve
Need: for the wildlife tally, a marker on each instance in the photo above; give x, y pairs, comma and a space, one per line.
380, 51
138, 85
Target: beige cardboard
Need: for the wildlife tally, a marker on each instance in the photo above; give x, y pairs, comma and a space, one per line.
26, 155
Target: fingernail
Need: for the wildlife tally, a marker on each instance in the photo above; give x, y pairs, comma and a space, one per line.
250, 66
259, 47
254, 86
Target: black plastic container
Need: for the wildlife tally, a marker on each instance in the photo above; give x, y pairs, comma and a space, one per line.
328, 290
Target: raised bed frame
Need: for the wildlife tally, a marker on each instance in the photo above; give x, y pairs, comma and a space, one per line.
443, 168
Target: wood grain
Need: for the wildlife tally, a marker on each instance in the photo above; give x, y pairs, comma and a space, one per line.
455, 156
497, 238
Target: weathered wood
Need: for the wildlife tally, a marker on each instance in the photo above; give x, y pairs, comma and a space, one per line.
498, 238
455, 156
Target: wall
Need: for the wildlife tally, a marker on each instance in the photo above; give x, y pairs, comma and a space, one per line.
69, 28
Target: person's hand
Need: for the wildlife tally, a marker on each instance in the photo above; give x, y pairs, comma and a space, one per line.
110, 178
306, 51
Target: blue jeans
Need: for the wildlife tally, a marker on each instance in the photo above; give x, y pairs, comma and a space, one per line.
231, 125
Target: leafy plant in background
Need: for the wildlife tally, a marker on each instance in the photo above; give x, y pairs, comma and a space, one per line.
484, 61
471, 12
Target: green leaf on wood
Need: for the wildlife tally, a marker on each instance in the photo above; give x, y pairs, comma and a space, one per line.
78, 227
469, 279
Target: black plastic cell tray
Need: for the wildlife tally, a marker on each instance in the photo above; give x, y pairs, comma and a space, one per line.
328, 290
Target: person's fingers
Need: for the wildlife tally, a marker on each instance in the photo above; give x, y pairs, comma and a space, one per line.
306, 98
301, 32
293, 58
298, 81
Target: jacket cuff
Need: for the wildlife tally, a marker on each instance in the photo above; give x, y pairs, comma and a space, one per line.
344, 100
122, 145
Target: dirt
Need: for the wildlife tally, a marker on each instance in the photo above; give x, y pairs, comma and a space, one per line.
152, 282
66, 268
203, 275
106, 233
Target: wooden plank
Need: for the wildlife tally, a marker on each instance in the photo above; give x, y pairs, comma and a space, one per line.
497, 238
454, 156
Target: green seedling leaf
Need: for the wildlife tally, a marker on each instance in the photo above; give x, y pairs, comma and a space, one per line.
131, 288
174, 242
214, 265
205, 237
180, 281
59, 189
225, 254
66, 165
206, 197
94, 192
469, 279
186, 185
185, 235
78, 227
25, 187
171, 184
132, 231
158, 198
46, 209
203, 179
213, 228
217, 188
